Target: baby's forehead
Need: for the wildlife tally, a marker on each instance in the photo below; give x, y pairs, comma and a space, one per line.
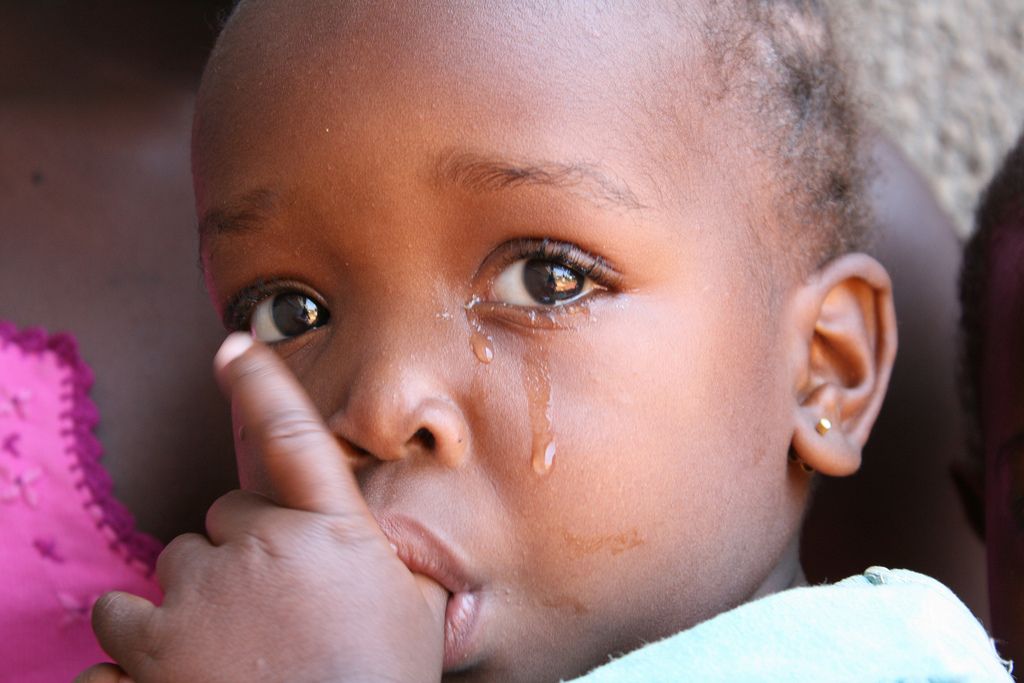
516, 61
456, 30
622, 89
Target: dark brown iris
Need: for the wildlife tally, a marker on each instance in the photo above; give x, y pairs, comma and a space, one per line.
551, 283
295, 314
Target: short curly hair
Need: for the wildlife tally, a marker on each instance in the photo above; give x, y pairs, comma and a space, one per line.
1001, 208
779, 60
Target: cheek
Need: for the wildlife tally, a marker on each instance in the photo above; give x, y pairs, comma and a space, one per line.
660, 432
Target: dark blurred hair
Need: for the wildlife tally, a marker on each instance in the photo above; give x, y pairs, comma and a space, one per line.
781, 60
1001, 208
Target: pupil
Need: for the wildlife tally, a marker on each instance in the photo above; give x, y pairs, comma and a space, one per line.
550, 283
294, 314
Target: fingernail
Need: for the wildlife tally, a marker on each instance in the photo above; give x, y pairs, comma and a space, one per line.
234, 346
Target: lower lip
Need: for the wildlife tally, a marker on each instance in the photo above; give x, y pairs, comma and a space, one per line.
460, 620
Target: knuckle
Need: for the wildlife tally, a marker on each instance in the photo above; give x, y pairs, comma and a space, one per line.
292, 428
264, 535
251, 368
227, 505
177, 549
292, 535
348, 529
146, 658
180, 545
174, 557
257, 542
100, 673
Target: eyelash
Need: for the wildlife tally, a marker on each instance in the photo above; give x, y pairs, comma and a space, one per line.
239, 309
567, 254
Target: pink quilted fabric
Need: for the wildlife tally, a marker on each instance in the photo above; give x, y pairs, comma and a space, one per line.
64, 539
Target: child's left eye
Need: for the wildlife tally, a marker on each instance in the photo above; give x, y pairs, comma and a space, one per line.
285, 316
540, 281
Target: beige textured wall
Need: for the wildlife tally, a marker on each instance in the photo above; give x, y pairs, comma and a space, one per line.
946, 79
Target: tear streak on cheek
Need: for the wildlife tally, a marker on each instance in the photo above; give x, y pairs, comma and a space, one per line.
537, 383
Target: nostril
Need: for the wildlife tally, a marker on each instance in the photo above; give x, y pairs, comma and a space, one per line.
425, 438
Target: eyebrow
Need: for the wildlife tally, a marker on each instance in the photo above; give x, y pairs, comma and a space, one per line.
245, 213
469, 171
480, 173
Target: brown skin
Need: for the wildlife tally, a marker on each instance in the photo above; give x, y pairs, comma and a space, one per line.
139, 62
1001, 396
370, 620
676, 389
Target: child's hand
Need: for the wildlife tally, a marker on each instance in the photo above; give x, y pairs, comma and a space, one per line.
305, 587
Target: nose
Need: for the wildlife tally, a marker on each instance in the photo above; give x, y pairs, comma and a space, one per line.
402, 416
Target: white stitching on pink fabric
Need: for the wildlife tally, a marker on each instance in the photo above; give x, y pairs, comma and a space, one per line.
76, 609
85, 449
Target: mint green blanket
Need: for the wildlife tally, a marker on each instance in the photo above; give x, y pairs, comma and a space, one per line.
882, 626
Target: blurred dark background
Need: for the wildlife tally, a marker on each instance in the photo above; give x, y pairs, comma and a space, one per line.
97, 232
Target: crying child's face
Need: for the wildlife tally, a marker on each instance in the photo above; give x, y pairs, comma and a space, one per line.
509, 254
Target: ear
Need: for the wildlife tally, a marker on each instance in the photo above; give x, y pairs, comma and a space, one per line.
843, 353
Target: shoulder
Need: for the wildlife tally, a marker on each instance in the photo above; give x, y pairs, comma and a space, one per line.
882, 625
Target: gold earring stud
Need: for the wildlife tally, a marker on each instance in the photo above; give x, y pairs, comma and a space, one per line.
824, 424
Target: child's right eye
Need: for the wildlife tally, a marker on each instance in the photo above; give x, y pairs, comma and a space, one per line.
286, 315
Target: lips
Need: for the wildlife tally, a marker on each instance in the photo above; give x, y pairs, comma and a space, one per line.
424, 553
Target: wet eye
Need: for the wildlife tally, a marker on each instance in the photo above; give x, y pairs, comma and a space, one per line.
533, 281
286, 316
